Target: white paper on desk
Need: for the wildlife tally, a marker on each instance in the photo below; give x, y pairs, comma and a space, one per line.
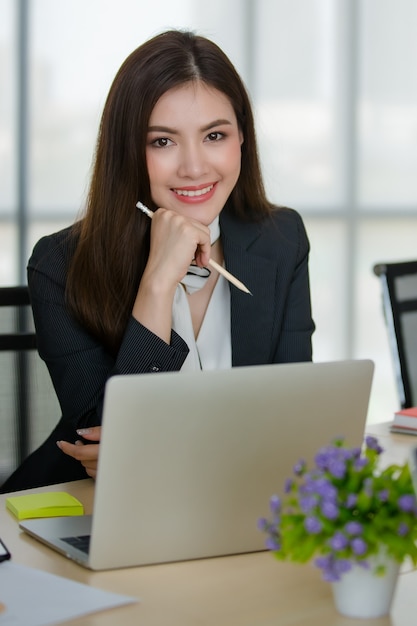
36, 598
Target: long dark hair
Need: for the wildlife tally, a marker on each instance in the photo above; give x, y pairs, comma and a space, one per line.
113, 237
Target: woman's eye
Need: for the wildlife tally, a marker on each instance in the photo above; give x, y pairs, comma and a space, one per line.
215, 136
161, 142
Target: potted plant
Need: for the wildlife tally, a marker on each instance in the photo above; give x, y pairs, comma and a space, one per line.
352, 519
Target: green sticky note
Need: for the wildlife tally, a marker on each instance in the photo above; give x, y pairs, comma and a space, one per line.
49, 504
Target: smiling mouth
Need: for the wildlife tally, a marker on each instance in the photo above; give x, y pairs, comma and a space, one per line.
192, 193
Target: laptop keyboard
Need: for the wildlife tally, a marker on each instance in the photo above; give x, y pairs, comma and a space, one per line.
81, 542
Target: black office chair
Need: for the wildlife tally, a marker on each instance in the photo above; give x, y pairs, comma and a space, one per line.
20, 334
28, 405
399, 297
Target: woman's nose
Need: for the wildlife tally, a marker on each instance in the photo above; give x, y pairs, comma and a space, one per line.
193, 162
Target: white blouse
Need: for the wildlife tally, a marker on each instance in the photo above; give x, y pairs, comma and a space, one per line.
213, 347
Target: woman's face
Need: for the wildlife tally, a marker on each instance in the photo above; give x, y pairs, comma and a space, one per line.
193, 151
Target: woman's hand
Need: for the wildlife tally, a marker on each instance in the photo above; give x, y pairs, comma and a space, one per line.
85, 453
175, 242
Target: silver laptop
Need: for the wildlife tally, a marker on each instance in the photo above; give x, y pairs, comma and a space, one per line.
188, 461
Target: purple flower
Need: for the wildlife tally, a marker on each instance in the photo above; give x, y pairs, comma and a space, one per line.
299, 467
325, 489
337, 468
359, 546
407, 503
342, 565
332, 568
332, 459
275, 504
288, 485
326, 564
312, 525
323, 457
323, 561
330, 575
329, 510
272, 543
353, 528
367, 486
403, 529
360, 464
351, 500
309, 485
383, 495
263, 524
372, 444
338, 541
308, 502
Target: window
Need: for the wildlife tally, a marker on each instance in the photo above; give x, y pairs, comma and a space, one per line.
335, 99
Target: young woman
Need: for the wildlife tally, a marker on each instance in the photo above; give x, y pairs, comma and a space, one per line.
110, 294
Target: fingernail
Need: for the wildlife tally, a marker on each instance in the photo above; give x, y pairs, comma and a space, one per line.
78, 443
83, 431
58, 443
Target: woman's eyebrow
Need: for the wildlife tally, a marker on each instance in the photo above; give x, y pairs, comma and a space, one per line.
172, 131
219, 122
162, 129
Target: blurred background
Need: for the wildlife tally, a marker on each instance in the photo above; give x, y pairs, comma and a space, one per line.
334, 89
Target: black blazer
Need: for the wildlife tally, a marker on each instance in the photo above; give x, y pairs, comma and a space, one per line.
274, 325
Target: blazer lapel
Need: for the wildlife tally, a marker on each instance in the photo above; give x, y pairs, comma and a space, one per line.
251, 315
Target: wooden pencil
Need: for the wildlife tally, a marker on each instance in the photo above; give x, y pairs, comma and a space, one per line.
219, 268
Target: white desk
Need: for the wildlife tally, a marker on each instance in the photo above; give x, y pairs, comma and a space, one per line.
246, 590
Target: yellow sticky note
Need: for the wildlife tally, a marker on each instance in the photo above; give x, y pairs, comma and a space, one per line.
49, 504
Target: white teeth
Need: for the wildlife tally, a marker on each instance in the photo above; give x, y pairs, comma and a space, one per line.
192, 194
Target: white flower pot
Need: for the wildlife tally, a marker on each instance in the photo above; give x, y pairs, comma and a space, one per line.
361, 593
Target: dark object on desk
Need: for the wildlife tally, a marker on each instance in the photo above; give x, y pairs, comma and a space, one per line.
29, 407
4, 553
399, 295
